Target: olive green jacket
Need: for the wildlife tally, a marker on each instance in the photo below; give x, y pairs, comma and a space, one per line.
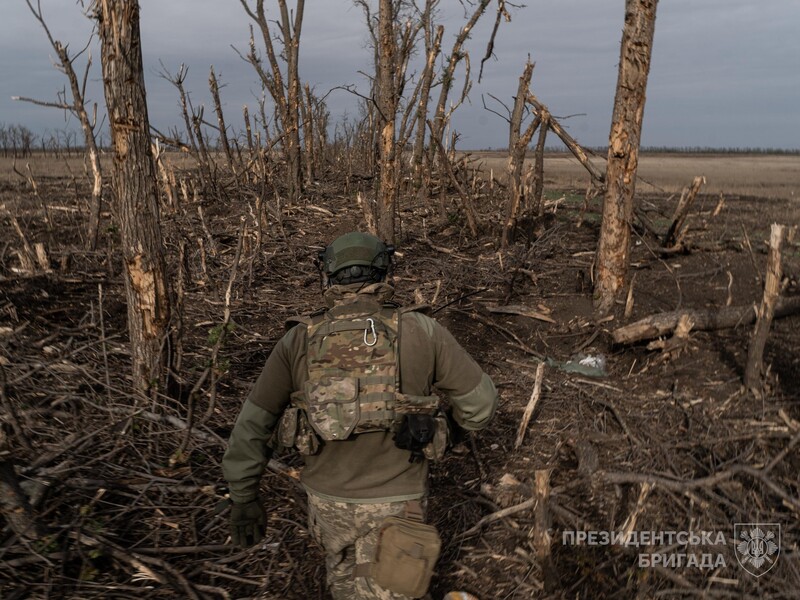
366, 467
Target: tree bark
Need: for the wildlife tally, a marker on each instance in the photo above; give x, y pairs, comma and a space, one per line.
136, 193
613, 252
387, 107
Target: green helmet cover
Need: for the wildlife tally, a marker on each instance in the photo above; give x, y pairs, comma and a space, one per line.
355, 248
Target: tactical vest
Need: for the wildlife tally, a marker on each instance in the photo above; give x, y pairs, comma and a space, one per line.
353, 384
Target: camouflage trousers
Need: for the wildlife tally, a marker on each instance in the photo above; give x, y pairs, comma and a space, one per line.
348, 532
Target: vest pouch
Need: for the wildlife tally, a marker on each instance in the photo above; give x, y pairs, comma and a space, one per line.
287, 427
306, 441
436, 448
405, 557
333, 408
295, 432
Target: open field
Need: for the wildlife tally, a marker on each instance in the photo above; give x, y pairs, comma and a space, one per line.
771, 176
760, 176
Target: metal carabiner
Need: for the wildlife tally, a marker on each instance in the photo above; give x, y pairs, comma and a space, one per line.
367, 331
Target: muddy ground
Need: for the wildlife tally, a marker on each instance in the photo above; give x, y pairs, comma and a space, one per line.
128, 505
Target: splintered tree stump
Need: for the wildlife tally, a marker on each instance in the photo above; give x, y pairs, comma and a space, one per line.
766, 312
677, 229
541, 538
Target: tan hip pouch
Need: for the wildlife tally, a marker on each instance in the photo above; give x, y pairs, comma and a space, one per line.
406, 556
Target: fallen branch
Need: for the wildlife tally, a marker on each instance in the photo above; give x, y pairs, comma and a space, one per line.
521, 311
535, 395
704, 320
500, 514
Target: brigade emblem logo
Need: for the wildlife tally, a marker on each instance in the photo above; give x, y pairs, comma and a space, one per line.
758, 546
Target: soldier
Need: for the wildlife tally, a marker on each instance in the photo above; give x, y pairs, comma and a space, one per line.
352, 388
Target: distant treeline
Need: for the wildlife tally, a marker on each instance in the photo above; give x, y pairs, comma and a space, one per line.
19, 141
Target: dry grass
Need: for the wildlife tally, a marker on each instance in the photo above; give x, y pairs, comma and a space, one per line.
770, 176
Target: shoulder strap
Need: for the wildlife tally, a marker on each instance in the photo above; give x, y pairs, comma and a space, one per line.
306, 320
425, 309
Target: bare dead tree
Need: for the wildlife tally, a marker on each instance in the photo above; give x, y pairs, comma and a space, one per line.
518, 142
78, 108
613, 251
433, 47
135, 186
213, 86
441, 115
286, 95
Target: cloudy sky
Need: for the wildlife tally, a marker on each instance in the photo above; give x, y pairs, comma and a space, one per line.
725, 73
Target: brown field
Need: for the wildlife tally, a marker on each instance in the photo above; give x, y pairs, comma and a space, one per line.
759, 176
771, 176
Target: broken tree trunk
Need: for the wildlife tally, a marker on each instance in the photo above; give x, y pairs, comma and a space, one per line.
570, 142
538, 158
613, 250
772, 290
136, 192
677, 229
704, 320
540, 535
517, 146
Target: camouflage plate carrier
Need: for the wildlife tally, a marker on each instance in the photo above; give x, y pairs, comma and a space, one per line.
353, 381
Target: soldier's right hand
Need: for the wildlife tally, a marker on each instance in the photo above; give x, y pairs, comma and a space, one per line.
248, 523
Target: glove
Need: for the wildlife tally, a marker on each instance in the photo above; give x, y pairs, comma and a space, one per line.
456, 434
248, 523
415, 432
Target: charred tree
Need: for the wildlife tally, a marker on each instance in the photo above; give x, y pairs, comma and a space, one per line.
78, 108
136, 192
613, 252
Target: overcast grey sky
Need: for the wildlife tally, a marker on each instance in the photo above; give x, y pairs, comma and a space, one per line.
725, 73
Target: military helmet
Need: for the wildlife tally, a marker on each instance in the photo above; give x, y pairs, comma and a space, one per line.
363, 254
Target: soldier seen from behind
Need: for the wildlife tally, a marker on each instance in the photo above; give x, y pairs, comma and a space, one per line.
352, 389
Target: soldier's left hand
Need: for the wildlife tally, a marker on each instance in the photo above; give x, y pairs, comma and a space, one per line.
248, 523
